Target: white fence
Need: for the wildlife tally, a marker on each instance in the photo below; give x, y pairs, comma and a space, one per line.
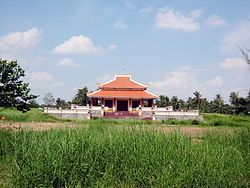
87, 112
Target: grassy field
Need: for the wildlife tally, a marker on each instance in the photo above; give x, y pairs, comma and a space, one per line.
36, 115
125, 153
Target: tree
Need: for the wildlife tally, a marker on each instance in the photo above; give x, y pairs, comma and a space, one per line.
49, 100
197, 99
182, 105
234, 100
33, 104
60, 103
175, 102
246, 55
219, 106
81, 97
13, 91
189, 103
163, 101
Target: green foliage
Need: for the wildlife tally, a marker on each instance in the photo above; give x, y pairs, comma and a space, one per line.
81, 97
36, 115
33, 104
13, 92
162, 101
60, 103
103, 156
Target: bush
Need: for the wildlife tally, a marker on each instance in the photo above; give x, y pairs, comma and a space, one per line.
195, 122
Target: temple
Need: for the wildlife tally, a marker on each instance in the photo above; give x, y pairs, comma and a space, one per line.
122, 94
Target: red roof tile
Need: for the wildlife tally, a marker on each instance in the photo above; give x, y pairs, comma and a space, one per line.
140, 94
122, 82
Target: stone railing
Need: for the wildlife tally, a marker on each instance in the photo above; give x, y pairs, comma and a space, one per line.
161, 113
80, 112
83, 113
154, 113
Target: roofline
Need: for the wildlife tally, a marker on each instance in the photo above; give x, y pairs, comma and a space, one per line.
120, 97
88, 94
123, 75
138, 83
108, 82
151, 94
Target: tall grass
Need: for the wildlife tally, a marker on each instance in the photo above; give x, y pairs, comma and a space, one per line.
226, 120
103, 156
36, 115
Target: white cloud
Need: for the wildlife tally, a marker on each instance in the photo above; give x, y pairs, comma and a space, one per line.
233, 63
146, 10
41, 77
215, 20
215, 82
171, 19
177, 82
67, 62
112, 47
238, 36
196, 13
104, 78
20, 41
43, 82
120, 25
78, 45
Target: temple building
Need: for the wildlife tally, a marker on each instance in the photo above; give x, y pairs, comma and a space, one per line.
122, 94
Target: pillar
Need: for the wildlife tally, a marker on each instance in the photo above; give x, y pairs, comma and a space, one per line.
141, 102
130, 105
114, 104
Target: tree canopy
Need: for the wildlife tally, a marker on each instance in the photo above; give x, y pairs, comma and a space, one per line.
13, 91
81, 97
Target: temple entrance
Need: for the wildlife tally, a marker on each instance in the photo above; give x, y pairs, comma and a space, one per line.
108, 103
135, 104
122, 105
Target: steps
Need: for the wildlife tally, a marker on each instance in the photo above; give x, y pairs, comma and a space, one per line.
120, 115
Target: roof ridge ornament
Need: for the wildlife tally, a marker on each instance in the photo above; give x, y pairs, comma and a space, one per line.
124, 68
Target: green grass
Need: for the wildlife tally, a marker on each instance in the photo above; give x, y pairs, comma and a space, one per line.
226, 120
105, 156
35, 115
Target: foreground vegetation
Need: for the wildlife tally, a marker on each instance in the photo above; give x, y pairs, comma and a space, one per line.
106, 156
98, 153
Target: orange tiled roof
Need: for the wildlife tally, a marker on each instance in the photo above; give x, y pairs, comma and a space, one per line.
138, 94
122, 82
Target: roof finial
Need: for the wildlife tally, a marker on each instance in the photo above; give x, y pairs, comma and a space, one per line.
124, 68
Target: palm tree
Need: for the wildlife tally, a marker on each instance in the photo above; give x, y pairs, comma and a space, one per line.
163, 101
234, 100
189, 103
182, 105
245, 53
197, 99
218, 105
175, 102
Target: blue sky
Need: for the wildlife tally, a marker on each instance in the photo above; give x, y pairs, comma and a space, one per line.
176, 47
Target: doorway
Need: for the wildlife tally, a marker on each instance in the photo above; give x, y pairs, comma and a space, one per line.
122, 105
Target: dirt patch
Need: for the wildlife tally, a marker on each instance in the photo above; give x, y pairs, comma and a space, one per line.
37, 126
